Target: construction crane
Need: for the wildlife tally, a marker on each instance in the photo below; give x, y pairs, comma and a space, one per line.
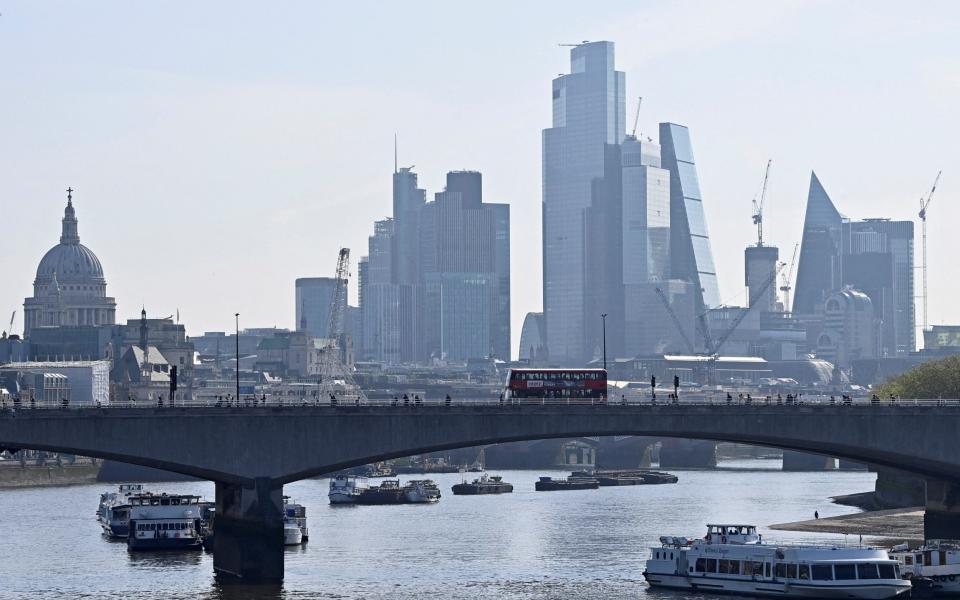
786, 286
12, 317
334, 376
337, 302
574, 45
636, 117
676, 321
924, 203
758, 206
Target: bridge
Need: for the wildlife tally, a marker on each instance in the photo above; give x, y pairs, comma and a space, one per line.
251, 452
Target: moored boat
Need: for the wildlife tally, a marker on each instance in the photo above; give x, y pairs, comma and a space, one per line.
345, 489
549, 484
937, 562
292, 535
113, 513
297, 514
421, 491
485, 484
388, 492
733, 559
164, 522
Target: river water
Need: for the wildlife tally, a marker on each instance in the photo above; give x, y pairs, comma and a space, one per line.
530, 545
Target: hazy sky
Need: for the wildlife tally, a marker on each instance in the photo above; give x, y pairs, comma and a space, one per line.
219, 150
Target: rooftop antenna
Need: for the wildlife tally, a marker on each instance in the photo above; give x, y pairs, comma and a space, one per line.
636, 118
924, 203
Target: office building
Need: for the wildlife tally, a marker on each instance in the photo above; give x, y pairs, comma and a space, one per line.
588, 116
314, 296
691, 257
849, 330
873, 256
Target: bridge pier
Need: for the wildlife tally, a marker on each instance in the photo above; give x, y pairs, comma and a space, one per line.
941, 521
248, 532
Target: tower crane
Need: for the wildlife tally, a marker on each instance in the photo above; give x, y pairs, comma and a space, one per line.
333, 372
715, 349
758, 206
785, 286
12, 317
924, 203
574, 45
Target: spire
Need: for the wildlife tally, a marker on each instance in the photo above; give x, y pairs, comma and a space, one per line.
143, 330
69, 234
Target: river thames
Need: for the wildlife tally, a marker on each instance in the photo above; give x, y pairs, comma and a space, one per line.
530, 545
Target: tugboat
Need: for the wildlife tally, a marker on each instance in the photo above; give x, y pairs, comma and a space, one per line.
733, 559
486, 484
388, 492
345, 489
936, 564
113, 513
421, 491
549, 484
164, 522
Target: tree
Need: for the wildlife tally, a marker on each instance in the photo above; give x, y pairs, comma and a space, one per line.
936, 379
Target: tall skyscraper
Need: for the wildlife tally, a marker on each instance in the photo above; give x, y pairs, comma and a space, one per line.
588, 116
465, 259
436, 283
873, 256
691, 257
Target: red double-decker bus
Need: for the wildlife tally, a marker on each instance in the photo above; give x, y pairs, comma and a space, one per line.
585, 384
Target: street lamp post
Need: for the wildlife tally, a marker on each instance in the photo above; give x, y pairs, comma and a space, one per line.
603, 318
237, 317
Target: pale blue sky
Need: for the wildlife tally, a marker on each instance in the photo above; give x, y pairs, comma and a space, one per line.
221, 149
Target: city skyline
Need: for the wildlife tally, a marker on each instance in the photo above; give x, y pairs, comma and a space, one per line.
142, 196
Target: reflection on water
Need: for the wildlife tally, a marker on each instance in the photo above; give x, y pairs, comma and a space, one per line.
573, 544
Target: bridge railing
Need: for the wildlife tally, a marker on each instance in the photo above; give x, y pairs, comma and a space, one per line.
718, 400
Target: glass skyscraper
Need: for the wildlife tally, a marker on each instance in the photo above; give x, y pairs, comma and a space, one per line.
691, 258
588, 117
873, 256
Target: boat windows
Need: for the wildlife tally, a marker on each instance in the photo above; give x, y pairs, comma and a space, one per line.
711, 565
822, 572
845, 571
887, 571
908, 559
804, 571
867, 571
791, 571
766, 570
781, 570
701, 565
926, 559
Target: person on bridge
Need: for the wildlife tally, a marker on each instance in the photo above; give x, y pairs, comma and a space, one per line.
394, 401
416, 399
406, 400
447, 400
729, 398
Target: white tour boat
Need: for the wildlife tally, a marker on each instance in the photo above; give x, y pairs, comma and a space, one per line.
734, 559
344, 489
164, 522
937, 562
113, 513
421, 491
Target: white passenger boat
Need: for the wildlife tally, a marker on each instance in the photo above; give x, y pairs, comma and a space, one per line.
344, 489
113, 513
164, 522
937, 561
734, 559
421, 491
